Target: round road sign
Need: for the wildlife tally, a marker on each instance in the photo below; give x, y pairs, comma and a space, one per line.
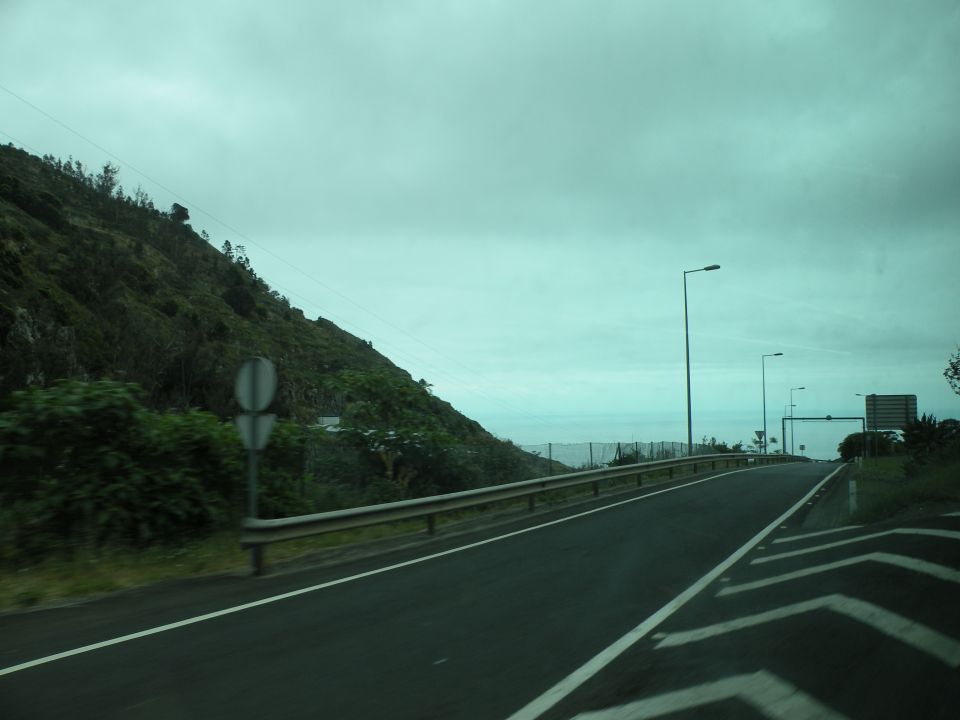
256, 384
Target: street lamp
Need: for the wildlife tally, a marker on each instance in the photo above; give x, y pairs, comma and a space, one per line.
686, 333
792, 406
763, 371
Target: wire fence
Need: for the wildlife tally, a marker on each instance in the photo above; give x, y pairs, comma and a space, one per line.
561, 457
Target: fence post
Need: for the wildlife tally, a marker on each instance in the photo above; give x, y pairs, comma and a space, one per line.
636, 450
549, 458
591, 456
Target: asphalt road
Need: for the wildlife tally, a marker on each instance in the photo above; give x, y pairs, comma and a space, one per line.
856, 622
471, 627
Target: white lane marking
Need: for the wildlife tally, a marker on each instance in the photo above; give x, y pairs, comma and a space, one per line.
792, 538
539, 705
952, 514
766, 693
941, 572
948, 534
340, 581
915, 634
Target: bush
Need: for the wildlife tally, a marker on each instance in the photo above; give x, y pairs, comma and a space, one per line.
926, 437
86, 463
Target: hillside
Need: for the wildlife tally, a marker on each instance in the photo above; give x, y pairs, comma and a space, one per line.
95, 283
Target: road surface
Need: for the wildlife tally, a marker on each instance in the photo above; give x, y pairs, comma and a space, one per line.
493, 625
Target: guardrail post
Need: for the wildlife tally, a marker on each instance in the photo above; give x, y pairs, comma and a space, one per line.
639, 479
713, 464
431, 524
256, 559
670, 472
596, 489
694, 468
530, 502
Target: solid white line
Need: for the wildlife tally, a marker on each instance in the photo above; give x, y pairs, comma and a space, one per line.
948, 534
792, 538
951, 514
915, 634
536, 707
941, 572
766, 693
350, 578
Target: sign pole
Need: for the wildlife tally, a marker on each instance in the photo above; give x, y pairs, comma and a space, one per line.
255, 386
252, 451
256, 552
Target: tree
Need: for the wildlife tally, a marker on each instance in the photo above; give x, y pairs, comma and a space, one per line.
178, 213
926, 435
952, 373
392, 419
859, 444
227, 250
106, 181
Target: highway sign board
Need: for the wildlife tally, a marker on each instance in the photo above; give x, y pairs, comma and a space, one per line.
890, 412
254, 429
256, 384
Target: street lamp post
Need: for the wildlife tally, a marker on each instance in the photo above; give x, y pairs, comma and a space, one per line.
686, 334
763, 371
792, 406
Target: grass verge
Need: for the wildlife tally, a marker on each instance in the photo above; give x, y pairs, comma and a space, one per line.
883, 490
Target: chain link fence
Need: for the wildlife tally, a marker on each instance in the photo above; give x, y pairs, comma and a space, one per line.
564, 457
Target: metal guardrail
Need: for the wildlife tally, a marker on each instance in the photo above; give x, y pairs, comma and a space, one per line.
257, 532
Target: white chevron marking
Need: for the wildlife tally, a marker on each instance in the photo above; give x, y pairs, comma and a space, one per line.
816, 534
941, 572
948, 534
919, 636
766, 693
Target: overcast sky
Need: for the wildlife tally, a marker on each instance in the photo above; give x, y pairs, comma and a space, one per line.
502, 196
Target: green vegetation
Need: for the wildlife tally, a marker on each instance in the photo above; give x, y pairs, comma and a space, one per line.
870, 444
952, 372
97, 284
926, 474
121, 330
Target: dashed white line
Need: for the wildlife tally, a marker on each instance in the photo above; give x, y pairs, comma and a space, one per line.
948, 534
941, 572
766, 693
793, 538
915, 634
